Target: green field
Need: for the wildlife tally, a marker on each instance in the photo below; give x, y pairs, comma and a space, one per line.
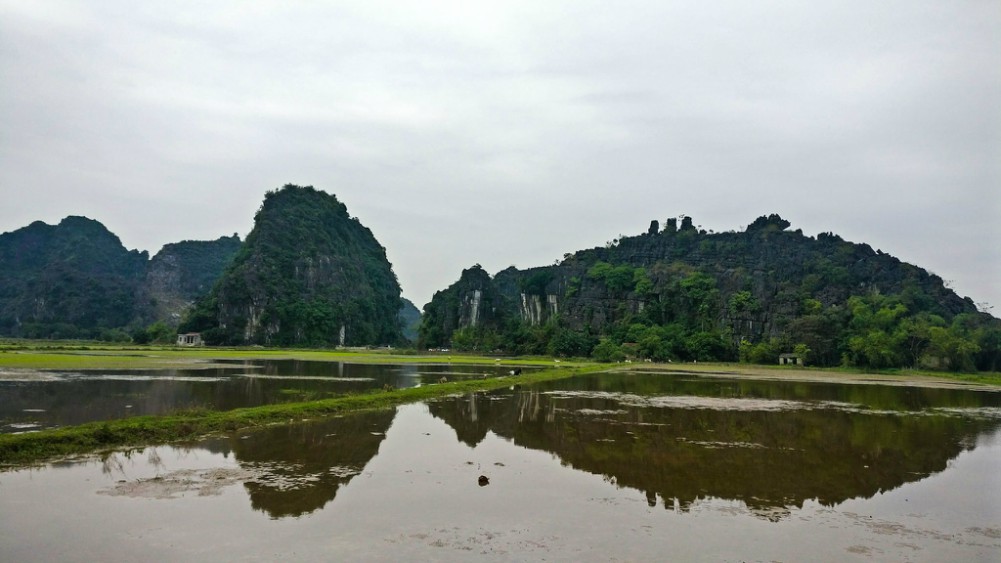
81, 356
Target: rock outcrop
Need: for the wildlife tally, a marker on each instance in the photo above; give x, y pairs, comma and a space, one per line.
184, 271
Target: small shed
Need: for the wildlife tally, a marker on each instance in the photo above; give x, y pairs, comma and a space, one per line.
190, 339
790, 360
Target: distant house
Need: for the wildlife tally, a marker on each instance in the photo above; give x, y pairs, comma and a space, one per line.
790, 360
190, 339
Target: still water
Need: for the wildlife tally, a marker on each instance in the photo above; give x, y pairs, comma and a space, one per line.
48, 399
603, 467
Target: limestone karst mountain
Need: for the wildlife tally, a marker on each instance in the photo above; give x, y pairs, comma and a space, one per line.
308, 274
681, 293
70, 280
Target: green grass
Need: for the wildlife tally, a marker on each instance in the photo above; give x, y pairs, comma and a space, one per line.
986, 378
136, 357
34, 447
983, 378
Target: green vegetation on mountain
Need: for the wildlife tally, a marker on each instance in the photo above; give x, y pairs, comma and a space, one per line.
71, 280
308, 274
683, 294
77, 280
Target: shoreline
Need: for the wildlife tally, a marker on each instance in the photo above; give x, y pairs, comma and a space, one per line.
768, 373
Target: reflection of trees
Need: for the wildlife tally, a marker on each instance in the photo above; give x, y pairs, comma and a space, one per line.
767, 459
300, 467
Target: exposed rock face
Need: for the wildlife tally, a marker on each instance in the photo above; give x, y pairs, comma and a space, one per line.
308, 274
473, 301
70, 280
183, 271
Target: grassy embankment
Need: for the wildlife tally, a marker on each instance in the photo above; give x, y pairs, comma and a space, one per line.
82, 355
833, 374
21, 449
138, 357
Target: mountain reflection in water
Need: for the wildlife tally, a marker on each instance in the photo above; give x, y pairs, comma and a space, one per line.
578, 469
299, 468
770, 445
723, 440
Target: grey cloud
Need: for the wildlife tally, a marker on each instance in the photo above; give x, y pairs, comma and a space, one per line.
513, 132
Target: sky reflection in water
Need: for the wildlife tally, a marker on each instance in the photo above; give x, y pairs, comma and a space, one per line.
612, 465
53, 399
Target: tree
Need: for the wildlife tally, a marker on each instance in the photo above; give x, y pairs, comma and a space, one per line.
803, 351
875, 349
699, 294
608, 351
571, 343
950, 351
706, 346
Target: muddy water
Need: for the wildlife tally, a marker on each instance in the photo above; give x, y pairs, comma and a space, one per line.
49, 399
627, 467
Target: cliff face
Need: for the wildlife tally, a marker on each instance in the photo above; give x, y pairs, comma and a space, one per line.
472, 302
308, 273
735, 287
70, 280
183, 271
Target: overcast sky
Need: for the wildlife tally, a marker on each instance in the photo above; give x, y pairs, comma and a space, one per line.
505, 133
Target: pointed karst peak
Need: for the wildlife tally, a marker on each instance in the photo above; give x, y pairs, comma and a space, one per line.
475, 276
771, 223
307, 274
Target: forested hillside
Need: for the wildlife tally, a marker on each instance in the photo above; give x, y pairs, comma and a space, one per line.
77, 280
308, 274
684, 294
71, 280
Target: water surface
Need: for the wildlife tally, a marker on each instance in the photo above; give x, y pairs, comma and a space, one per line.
610, 466
59, 398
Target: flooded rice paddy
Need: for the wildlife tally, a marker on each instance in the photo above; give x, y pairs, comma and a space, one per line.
45, 399
650, 467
